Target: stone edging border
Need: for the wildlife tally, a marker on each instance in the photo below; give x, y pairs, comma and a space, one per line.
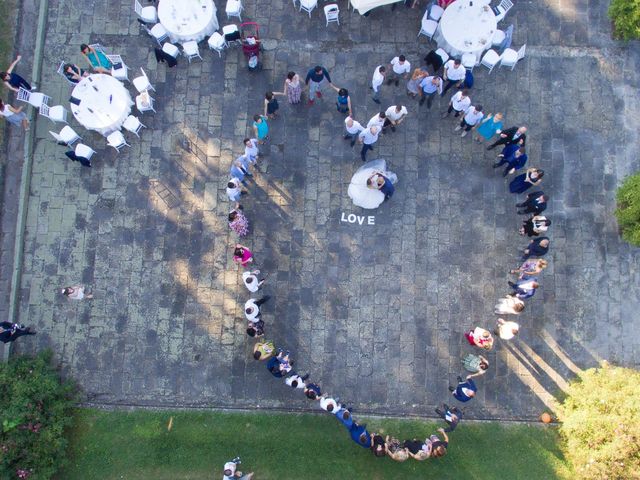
25, 178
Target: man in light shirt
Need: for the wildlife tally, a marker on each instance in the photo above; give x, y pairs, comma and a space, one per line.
472, 118
428, 87
459, 103
400, 68
368, 137
379, 120
376, 82
395, 115
251, 280
251, 149
454, 73
353, 129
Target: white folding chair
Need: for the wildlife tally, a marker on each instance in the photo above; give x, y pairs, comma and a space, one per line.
231, 33
428, 28
443, 55
490, 59
36, 99
502, 9
308, 5
233, 9
84, 151
144, 102
122, 71
133, 124
468, 60
117, 140
332, 13
159, 33
171, 49
510, 57
216, 42
142, 83
147, 14
56, 114
435, 12
191, 50
66, 136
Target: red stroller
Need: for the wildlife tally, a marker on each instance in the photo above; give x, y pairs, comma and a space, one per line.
251, 46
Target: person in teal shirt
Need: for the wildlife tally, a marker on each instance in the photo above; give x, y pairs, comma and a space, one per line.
491, 125
261, 128
98, 60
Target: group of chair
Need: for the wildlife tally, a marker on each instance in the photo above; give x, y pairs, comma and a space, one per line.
331, 11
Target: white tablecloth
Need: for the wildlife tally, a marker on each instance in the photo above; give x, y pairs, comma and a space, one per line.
104, 103
466, 26
188, 19
363, 6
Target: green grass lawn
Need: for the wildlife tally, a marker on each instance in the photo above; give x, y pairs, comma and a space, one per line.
137, 445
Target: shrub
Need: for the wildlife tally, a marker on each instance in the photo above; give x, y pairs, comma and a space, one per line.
601, 424
36, 408
628, 211
626, 18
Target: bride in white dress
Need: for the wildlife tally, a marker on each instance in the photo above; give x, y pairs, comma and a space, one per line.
367, 194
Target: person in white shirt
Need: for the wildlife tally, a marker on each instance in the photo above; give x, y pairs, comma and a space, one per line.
328, 404
234, 189
376, 82
231, 471
459, 103
252, 308
472, 118
296, 381
368, 137
395, 115
379, 120
506, 330
353, 129
251, 149
400, 68
251, 280
454, 73
509, 305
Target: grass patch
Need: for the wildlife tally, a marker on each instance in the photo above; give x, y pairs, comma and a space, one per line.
137, 445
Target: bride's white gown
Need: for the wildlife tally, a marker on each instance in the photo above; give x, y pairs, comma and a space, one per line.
360, 194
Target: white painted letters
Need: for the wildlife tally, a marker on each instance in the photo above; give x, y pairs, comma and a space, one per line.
359, 219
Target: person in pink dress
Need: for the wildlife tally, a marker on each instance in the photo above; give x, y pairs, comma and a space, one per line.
242, 255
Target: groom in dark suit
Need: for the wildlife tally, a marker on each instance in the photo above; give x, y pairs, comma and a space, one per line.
510, 136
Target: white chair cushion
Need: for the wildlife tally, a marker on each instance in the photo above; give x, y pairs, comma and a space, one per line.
170, 49
309, 4
158, 30
233, 6
429, 26
67, 134
149, 14
491, 57
468, 60
84, 151
116, 138
190, 48
436, 12
227, 29
498, 38
443, 55
131, 123
509, 56
56, 112
216, 41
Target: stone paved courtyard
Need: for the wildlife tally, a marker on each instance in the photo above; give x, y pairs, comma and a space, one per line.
375, 313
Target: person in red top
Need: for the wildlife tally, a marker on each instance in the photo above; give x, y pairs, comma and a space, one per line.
242, 255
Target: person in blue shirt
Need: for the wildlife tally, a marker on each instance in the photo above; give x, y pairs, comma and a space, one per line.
344, 416
360, 435
12, 80
315, 78
465, 390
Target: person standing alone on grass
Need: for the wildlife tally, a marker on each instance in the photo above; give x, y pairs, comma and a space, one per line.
315, 79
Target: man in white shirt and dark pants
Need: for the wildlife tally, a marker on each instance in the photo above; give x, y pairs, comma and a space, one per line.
400, 68
472, 118
368, 137
395, 115
353, 129
377, 81
459, 103
454, 73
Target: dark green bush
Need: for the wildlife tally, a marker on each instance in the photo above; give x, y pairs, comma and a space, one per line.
628, 211
626, 18
601, 424
36, 408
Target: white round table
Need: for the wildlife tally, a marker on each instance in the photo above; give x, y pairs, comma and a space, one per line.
466, 26
187, 20
104, 103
